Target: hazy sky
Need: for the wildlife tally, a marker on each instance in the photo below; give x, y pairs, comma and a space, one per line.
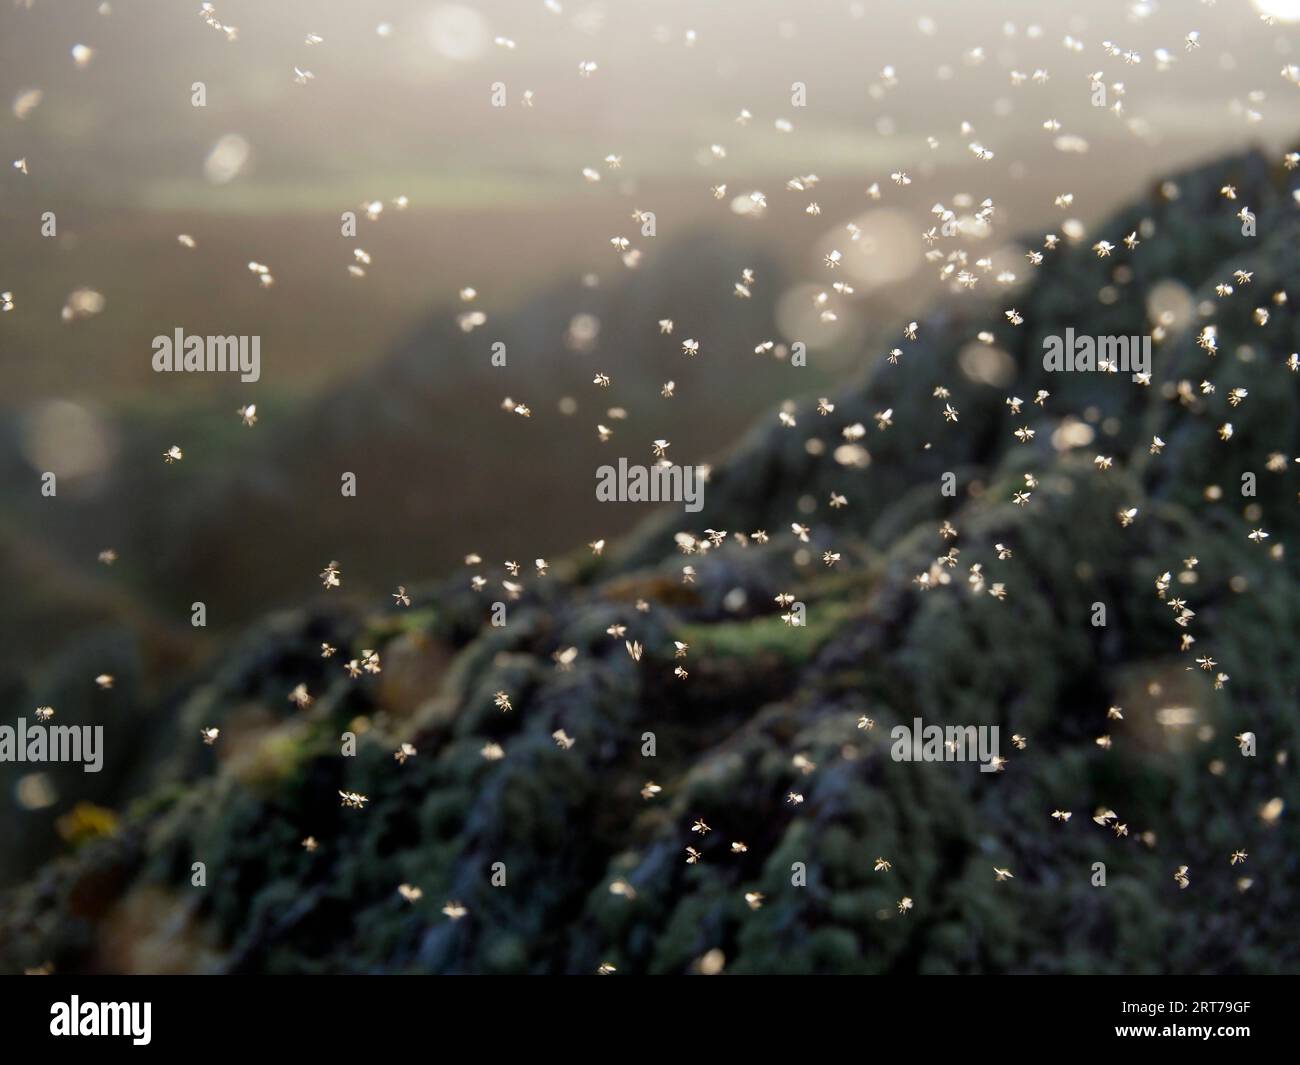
402, 88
